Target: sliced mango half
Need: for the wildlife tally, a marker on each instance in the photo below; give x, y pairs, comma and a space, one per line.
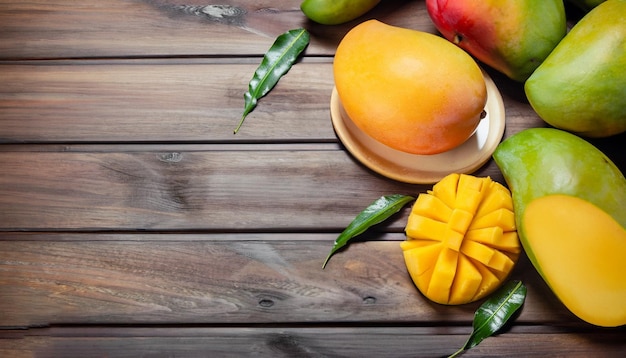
461, 240
580, 251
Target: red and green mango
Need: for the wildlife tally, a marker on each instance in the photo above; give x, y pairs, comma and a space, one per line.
511, 36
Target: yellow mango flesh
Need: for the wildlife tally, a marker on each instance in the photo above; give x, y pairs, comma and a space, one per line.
461, 239
581, 253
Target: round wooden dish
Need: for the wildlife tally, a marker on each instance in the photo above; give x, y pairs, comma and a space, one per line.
423, 169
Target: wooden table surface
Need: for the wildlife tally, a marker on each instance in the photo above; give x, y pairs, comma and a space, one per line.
133, 222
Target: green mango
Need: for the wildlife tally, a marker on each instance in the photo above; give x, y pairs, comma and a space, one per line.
569, 201
581, 86
334, 12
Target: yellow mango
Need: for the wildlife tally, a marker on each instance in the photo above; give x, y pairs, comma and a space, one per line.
461, 240
587, 277
468, 280
502, 217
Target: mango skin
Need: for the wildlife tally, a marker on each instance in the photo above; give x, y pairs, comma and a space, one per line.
539, 162
511, 36
581, 86
334, 12
542, 161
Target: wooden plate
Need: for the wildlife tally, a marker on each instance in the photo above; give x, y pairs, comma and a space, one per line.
423, 169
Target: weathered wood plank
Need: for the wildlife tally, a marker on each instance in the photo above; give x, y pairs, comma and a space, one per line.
207, 190
168, 190
304, 342
223, 280
193, 101
48, 29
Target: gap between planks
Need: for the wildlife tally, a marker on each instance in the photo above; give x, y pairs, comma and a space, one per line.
160, 147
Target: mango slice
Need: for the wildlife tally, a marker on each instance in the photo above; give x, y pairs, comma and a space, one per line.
581, 252
461, 239
540, 166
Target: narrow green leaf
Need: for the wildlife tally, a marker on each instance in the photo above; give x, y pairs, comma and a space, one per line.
495, 312
276, 62
375, 213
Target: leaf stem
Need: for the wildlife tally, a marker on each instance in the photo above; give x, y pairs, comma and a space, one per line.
240, 124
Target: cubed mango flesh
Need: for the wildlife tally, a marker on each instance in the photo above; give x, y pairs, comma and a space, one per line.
461, 240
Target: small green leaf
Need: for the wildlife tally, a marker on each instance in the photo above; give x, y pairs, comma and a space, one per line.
375, 213
276, 62
495, 312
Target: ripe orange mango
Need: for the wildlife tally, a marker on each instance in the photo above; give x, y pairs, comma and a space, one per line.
410, 90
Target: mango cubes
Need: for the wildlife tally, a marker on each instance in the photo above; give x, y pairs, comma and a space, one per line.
461, 241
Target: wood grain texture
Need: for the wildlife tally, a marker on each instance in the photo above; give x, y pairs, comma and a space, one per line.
49, 29
191, 101
222, 279
390, 341
209, 190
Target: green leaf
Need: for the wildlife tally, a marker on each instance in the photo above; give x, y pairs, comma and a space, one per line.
375, 213
276, 62
495, 312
